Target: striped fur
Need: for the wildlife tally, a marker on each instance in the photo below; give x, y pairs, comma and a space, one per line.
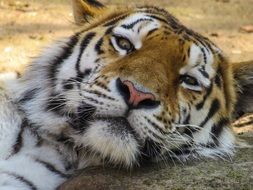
73, 107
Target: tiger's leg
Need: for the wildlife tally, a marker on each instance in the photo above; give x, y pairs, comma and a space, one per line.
35, 165
26, 160
29, 175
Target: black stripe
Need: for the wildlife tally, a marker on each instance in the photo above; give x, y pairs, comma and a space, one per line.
150, 150
189, 131
80, 121
243, 124
19, 141
182, 150
186, 37
110, 43
129, 26
198, 39
66, 52
181, 42
102, 85
29, 95
87, 72
108, 30
98, 46
151, 31
94, 3
85, 42
215, 106
155, 126
99, 94
179, 30
97, 60
93, 100
154, 10
52, 169
204, 54
184, 58
187, 119
56, 104
22, 179
209, 145
217, 128
68, 84
218, 78
171, 22
189, 52
158, 18
115, 20
208, 92
204, 73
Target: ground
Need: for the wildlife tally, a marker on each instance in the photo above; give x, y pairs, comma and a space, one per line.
29, 25
232, 174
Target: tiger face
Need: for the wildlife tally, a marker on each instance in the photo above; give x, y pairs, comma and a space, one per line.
133, 85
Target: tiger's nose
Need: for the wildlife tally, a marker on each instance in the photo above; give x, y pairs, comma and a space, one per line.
134, 97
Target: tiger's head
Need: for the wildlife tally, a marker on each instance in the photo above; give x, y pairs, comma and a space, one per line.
134, 84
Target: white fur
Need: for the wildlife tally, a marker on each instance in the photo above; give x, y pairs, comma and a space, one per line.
120, 148
226, 148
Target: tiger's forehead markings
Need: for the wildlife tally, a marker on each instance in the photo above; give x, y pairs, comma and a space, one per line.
115, 20
132, 24
135, 27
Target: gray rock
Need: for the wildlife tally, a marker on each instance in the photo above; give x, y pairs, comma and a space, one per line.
236, 173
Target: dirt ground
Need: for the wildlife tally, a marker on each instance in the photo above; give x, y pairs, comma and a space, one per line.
27, 26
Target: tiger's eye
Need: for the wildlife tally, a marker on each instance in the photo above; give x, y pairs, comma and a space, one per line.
189, 80
124, 44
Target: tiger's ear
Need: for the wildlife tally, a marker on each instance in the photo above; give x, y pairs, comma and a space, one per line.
83, 10
243, 75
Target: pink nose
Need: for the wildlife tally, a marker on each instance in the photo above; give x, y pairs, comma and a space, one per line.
136, 96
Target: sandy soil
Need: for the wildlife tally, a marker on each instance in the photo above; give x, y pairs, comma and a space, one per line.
26, 26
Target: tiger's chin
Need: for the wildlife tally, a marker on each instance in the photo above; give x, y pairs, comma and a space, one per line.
112, 140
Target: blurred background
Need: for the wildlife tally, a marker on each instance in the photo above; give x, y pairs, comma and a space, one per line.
26, 26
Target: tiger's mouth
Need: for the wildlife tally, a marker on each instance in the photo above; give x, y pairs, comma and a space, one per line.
113, 138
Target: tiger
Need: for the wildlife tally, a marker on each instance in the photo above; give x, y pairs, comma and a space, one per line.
132, 86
